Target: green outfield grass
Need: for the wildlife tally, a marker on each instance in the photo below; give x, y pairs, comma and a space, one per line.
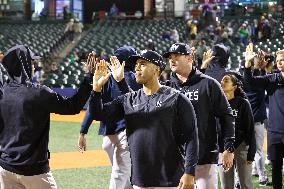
63, 138
90, 178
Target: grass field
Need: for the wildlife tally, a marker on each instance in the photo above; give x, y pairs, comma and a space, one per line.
63, 138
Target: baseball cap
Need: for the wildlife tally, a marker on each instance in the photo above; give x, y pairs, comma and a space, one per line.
178, 48
151, 56
124, 52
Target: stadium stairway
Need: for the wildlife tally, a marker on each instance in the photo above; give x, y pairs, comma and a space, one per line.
65, 51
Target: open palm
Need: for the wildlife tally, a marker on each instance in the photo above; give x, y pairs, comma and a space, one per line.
117, 69
207, 57
249, 55
89, 66
101, 75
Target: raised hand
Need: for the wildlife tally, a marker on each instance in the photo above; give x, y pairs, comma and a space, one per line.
260, 62
207, 57
117, 69
249, 55
89, 66
101, 75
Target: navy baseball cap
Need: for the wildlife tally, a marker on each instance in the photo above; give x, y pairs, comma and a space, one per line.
178, 48
150, 56
124, 52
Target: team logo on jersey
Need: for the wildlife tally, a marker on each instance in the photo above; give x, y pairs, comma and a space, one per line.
158, 104
235, 112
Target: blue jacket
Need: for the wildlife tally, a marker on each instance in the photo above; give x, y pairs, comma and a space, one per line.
109, 93
274, 85
215, 71
256, 98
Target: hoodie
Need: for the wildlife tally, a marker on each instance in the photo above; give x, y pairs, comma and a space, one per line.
244, 127
209, 103
217, 67
25, 115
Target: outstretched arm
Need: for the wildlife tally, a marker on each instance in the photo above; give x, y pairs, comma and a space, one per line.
55, 103
258, 81
111, 111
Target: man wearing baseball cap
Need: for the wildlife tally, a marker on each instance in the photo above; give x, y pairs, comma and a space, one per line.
209, 103
160, 124
114, 136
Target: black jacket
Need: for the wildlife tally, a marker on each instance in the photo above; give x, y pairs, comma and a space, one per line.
209, 102
244, 127
161, 131
25, 117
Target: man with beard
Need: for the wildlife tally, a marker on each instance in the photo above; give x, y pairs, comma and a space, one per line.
209, 103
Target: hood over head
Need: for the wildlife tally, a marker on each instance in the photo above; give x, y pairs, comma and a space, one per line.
18, 63
222, 54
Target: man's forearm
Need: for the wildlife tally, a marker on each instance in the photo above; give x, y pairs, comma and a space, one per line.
123, 86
